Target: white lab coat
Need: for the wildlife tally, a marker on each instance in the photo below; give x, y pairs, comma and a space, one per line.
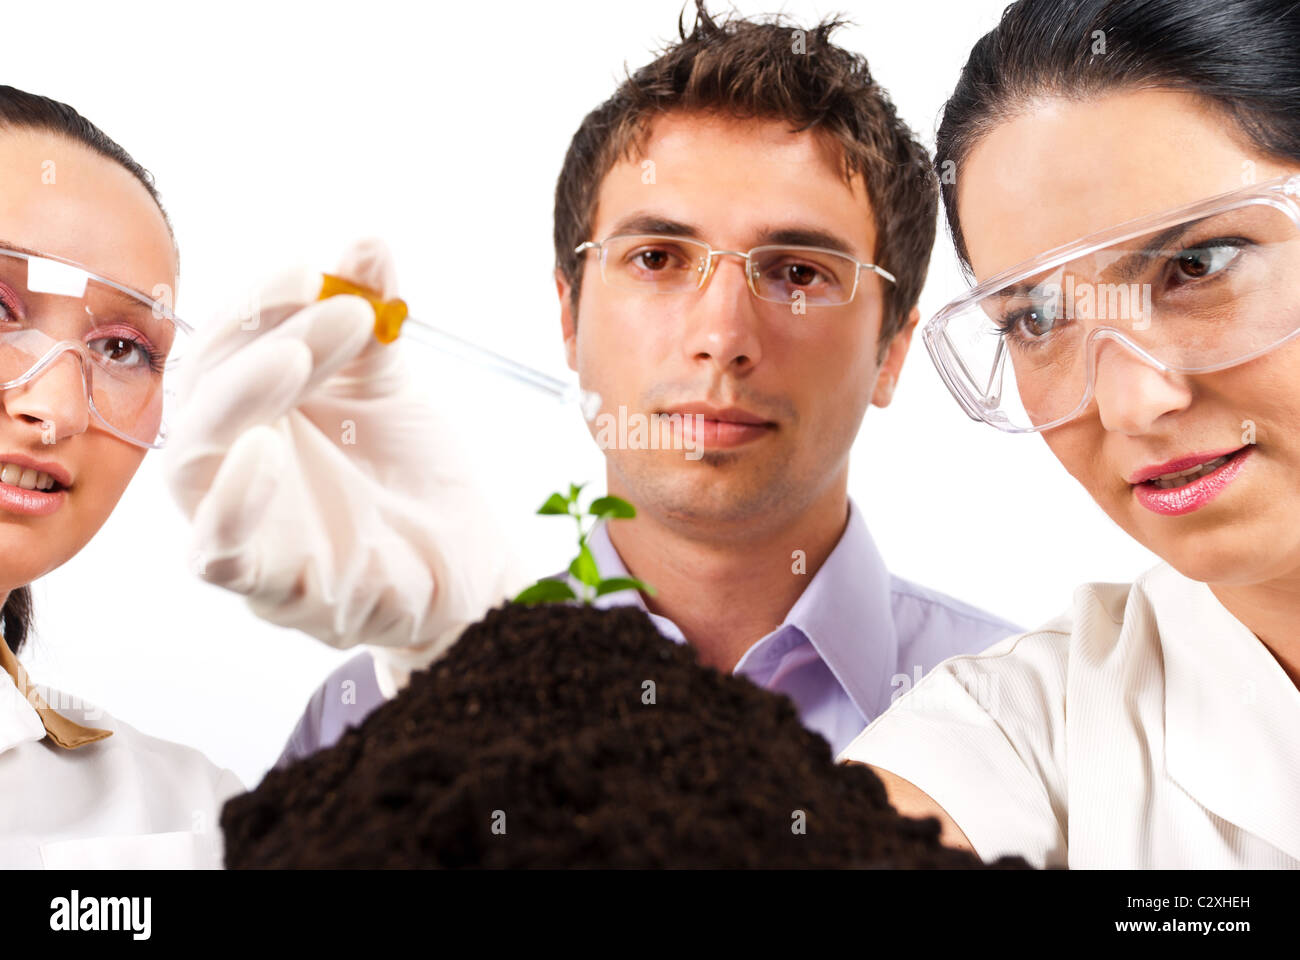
76, 796
1147, 727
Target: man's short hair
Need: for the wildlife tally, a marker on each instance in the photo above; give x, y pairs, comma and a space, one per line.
765, 69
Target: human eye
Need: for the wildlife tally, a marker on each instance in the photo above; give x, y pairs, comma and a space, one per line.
784, 273
654, 259
1030, 323
799, 273
796, 269
1205, 260
10, 306
125, 349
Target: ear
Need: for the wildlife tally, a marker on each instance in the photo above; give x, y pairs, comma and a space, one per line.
892, 364
568, 324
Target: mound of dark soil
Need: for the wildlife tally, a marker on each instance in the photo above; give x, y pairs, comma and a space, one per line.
561, 736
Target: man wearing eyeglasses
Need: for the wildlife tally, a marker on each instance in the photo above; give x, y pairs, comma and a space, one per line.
741, 233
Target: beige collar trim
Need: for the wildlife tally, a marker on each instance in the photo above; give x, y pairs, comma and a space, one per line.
64, 732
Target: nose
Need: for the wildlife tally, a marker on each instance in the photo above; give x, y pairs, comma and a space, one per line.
1131, 394
724, 320
54, 401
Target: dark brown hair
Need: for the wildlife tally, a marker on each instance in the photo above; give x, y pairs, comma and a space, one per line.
27, 111
755, 69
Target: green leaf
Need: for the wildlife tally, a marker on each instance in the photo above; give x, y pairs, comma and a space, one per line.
574, 490
584, 567
615, 584
546, 591
615, 508
555, 503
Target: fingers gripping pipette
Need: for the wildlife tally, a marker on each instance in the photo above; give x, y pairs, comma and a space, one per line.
392, 317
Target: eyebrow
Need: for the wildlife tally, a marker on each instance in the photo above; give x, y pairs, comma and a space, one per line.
780, 235
648, 223
1122, 270
807, 237
5, 245
15, 248
1128, 267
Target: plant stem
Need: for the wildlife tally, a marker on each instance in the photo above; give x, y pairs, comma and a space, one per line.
587, 592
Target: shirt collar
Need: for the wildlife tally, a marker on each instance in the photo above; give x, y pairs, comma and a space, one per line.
62, 731
1231, 712
610, 564
844, 612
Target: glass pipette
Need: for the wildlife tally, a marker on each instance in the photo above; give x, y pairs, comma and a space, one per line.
392, 318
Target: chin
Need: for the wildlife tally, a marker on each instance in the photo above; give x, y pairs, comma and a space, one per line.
30, 553
22, 574
708, 492
1229, 555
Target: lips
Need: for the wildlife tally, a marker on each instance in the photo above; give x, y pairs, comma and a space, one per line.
30, 486
1179, 464
709, 427
722, 414
1181, 486
35, 503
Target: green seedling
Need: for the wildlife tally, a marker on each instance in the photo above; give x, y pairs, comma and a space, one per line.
583, 566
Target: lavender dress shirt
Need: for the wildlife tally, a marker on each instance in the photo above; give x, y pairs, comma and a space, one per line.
855, 640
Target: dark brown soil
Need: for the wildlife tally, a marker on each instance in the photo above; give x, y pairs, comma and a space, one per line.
534, 722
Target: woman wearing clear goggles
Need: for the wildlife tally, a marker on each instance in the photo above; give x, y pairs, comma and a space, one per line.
1127, 199
87, 337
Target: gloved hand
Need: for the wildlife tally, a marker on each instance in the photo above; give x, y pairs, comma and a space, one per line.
322, 487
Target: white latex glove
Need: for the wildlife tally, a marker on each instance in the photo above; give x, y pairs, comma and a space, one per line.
322, 487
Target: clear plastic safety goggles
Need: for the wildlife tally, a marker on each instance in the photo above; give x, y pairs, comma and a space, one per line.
53, 312
1192, 290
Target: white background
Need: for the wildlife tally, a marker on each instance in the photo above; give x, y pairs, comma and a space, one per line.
279, 132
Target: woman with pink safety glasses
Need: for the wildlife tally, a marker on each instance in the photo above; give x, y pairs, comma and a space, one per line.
88, 270
1123, 187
